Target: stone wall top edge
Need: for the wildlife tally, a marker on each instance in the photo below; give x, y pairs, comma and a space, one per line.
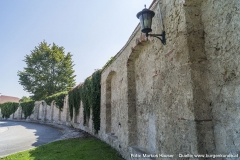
125, 46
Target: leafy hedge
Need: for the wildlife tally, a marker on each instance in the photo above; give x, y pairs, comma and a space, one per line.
8, 108
58, 98
27, 108
90, 94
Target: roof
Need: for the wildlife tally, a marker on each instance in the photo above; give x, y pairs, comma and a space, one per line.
4, 99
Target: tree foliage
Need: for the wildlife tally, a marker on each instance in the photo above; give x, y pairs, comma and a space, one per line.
25, 99
49, 70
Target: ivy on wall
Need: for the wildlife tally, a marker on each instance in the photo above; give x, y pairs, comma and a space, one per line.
74, 100
86, 99
90, 94
108, 63
8, 108
57, 98
27, 108
71, 102
96, 99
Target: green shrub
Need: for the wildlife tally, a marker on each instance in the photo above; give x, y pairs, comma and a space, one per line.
27, 108
8, 108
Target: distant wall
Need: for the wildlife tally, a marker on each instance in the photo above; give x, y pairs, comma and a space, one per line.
51, 113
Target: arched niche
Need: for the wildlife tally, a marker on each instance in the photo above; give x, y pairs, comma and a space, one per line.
131, 97
133, 131
109, 101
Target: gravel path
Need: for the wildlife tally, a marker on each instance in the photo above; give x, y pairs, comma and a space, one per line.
69, 132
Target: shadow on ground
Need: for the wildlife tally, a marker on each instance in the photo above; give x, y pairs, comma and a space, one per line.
22, 135
85, 148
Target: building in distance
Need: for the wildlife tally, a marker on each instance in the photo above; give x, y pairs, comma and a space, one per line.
4, 99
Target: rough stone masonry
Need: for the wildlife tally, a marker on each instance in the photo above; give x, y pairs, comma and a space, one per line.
176, 100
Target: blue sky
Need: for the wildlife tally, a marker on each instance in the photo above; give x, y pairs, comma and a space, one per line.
93, 31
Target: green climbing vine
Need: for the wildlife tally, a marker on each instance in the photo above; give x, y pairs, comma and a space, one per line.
71, 102
8, 108
27, 108
89, 93
57, 98
108, 63
74, 100
86, 99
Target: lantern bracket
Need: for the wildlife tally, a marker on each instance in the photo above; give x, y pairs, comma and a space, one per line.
161, 37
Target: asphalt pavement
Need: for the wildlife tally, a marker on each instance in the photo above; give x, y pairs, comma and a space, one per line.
20, 136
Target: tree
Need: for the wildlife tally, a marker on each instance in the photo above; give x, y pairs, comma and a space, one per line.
25, 99
48, 71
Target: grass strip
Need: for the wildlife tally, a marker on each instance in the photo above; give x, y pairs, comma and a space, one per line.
71, 149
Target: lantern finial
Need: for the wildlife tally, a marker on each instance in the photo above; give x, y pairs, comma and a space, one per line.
145, 5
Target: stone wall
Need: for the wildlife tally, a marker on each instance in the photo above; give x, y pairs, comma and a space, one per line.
181, 97
65, 117
153, 90
221, 22
49, 114
178, 98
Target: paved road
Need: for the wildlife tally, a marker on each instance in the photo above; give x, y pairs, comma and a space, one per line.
19, 136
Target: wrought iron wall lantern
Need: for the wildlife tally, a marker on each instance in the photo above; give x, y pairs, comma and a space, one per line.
145, 17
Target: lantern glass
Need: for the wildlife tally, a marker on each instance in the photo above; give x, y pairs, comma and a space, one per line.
145, 17
147, 21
